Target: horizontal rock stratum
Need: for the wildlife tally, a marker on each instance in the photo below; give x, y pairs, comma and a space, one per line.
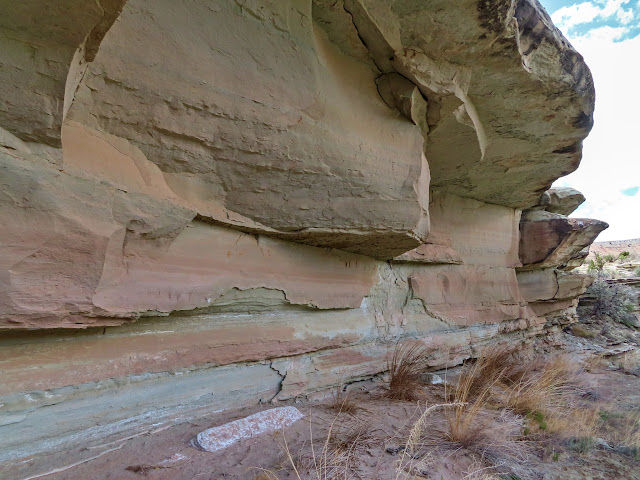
208, 204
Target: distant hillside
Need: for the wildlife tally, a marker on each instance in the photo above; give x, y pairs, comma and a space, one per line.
615, 247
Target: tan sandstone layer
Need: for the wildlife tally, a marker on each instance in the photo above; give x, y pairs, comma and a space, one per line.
207, 205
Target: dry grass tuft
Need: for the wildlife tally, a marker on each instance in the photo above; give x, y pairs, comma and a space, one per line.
495, 436
332, 461
473, 392
331, 458
344, 402
545, 390
492, 366
571, 422
631, 431
464, 429
406, 367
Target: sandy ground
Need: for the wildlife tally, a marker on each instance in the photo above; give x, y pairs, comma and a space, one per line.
370, 443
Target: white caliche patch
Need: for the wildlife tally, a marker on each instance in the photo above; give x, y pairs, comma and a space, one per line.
267, 421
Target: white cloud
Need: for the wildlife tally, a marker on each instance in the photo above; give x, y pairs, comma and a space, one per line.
613, 6
603, 35
611, 160
625, 16
568, 17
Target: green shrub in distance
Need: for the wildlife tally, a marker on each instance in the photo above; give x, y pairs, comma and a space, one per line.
597, 264
611, 300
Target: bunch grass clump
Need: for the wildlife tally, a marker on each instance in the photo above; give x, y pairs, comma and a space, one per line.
331, 458
543, 390
406, 367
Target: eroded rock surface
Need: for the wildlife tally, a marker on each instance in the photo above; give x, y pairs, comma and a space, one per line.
551, 246
208, 204
44, 50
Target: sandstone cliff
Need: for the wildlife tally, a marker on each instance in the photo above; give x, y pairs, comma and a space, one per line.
214, 202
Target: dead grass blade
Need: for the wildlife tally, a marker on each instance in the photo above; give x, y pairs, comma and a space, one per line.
415, 435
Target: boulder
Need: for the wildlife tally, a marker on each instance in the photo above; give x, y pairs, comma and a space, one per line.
561, 200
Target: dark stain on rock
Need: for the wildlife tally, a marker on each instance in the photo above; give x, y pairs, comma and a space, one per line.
573, 148
493, 14
583, 121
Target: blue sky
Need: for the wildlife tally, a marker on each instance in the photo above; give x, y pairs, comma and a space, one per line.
579, 18
607, 34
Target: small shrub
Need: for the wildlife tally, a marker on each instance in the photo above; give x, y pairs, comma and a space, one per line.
636, 272
406, 366
581, 444
597, 264
580, 331
611, 300
607, 416
624, 255
539, 419
599, 261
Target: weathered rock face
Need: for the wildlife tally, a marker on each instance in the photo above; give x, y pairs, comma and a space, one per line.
551, 245
459, 62
44, 52
263, 125
214, 203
